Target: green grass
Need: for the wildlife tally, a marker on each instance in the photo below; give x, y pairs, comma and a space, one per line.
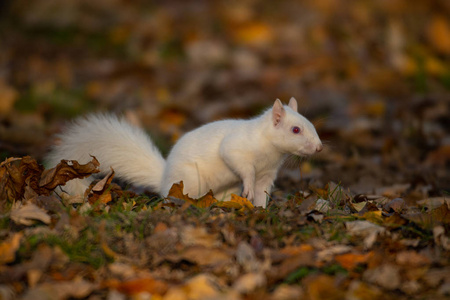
85, 248
63, 102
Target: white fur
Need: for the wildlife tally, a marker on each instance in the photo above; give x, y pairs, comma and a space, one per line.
222, 156
115, 143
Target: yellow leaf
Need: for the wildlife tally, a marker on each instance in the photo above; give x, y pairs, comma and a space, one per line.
374, 217
242, 201
254, 34
9, 247
439, 34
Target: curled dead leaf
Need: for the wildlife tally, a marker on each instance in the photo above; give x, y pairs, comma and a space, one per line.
28, 213
65, 171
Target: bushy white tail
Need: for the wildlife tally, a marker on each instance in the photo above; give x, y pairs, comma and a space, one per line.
115, 143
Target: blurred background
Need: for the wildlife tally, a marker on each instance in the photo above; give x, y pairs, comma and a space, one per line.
373, 76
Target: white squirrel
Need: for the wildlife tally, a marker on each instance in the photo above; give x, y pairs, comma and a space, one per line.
225, 156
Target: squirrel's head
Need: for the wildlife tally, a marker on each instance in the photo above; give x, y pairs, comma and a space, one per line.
294, 134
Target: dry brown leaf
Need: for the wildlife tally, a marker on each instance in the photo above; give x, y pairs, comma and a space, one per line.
387, 276
139, 285
8, 95
65, 171
28, 213
302, 259
78, 288
368, 230
440, 215
9, 247
21, 177
411, 259
363, 291
323, 287
205, 256
176, 191
15, 175
249, 282
246, 257
198, 236
202, 286
104, 182
350, 260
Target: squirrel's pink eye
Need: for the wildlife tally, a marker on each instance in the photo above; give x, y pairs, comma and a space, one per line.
296, 129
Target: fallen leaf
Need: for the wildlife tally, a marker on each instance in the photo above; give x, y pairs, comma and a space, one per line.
205, 256
396, 205
139, 285
363, 291
249, 282
256, 33
368, 230
387, 276
65, 171
350, 260
8, 95
236, 202
202, 286
191, 235
9, 247
439, 33
288, 292
329, 253
104, 182
28, 213
440, 238
176, 191
246, 257
411, 259
78, 288
322, 287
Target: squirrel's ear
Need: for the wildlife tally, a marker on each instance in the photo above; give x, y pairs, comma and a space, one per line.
293, 104
278, 112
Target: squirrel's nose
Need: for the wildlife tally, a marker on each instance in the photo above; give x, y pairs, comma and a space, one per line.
319, 148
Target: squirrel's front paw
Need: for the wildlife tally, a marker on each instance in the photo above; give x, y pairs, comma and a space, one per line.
249, 194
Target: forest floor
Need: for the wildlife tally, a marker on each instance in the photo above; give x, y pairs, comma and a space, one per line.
367, 218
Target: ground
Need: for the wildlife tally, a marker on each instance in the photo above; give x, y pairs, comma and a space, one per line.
367, 218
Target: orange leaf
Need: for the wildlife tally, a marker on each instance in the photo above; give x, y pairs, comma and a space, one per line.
206, 200
139, 285
9, 247
176, 191
256, 33
351, 260
295, 250
439, 34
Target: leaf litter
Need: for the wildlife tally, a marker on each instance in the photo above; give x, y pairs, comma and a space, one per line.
200, 249
365, 219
